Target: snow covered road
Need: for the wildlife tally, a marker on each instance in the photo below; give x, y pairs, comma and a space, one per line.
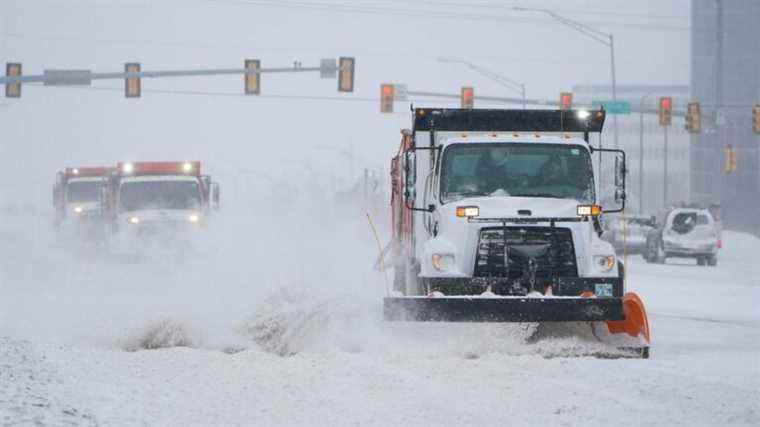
66, 325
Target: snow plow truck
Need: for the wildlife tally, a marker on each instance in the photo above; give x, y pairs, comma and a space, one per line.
145, 199
495, 219
77, 196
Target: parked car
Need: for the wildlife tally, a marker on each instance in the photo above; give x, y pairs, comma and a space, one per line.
629, 233
685, 233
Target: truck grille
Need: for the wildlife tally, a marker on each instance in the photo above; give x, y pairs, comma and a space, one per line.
550, 248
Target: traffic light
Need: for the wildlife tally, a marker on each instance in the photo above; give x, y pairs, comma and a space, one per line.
693, 118
346, 74
132, 85
665, 110
386, 98
252, 81
729, 162
756, 118
565, 100
467, 97
13, 90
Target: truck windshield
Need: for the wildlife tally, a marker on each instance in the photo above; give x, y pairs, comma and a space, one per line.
83, 191
159, 195
518, 170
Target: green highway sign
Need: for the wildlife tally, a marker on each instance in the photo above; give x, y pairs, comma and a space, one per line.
613, 107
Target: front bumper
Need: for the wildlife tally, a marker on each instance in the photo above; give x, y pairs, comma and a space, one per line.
561, 286
502, 309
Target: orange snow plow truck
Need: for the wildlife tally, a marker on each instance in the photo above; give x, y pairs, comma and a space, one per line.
495, 219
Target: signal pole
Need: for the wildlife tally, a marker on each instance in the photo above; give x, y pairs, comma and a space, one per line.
641, 153
665, 170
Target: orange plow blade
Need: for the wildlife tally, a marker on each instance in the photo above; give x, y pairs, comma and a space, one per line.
636, 323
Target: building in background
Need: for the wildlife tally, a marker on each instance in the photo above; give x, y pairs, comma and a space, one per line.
725, 79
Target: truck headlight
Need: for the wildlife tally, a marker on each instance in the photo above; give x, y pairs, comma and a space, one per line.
194, 218
604, 262
442, 262
133, 220
78, 209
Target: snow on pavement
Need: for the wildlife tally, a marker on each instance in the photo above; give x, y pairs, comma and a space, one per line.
68, 324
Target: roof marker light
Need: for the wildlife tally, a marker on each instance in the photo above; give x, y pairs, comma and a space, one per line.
75, 171
467, 211
127, 168
187, 167
589, 210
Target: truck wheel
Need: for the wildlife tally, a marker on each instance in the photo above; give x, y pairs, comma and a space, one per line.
405, 276
701, 260
412, 278
712, 261
399, 282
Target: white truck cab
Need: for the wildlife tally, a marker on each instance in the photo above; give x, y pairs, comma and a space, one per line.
498, 176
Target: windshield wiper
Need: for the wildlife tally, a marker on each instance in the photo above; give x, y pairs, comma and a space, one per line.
553, 196
468, 194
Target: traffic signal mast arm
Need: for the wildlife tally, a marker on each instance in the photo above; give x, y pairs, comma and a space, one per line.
43, 78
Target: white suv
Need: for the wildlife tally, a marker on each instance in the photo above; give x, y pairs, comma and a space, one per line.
685, 233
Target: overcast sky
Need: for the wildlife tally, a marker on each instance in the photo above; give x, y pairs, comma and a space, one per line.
393, 41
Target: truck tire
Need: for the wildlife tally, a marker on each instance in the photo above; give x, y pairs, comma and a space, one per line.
399, 282
405, 277
701, 261
712, 260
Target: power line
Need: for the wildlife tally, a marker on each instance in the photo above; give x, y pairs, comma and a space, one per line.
502, 5
426, 13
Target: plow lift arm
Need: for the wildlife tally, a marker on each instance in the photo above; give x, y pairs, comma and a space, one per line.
621, 315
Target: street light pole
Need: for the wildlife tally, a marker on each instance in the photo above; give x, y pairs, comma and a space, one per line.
498, 78
601, 37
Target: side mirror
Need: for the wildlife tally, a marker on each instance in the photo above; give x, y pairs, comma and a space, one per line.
620, 195
215, 195
619, 172
410, 174
618, 190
